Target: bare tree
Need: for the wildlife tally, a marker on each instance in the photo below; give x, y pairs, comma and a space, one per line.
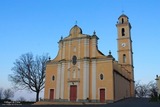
29, 72
146, 90
141, 90
8, 93
153, 89
1, 93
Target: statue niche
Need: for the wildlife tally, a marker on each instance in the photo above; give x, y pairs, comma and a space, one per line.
74, 74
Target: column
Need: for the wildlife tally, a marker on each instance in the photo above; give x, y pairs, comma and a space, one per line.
58, 82
62, 81
94, 79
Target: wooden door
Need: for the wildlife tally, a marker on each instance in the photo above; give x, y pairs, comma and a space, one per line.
73, 93
102, 95
51, 94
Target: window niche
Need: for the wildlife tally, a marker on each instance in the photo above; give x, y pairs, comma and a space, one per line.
124, 58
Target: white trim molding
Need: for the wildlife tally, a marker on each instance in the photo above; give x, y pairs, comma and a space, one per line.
94, 80
99, 92
94, 47
62, 80
63, 51
58, 82
86, 80
50, 93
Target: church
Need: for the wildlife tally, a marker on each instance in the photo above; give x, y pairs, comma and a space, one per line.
82, 73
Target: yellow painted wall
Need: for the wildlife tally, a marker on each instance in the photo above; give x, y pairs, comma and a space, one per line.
105, 68
121, 87
158, 84
49, 83
74, 45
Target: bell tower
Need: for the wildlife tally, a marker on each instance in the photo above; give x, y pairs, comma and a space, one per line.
125, 54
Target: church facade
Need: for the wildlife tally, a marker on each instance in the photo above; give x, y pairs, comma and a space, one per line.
82, 73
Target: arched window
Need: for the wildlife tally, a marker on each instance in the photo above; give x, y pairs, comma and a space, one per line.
122, 20
101, 76
124, 58
123, 32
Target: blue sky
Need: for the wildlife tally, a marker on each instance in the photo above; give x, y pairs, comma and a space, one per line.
37, 25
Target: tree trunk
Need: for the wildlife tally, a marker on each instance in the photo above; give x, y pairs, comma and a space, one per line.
37, 96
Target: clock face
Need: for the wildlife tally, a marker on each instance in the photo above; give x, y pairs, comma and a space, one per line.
123, 44
74, 60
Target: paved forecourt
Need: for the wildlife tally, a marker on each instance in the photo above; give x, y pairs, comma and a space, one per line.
131, 102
